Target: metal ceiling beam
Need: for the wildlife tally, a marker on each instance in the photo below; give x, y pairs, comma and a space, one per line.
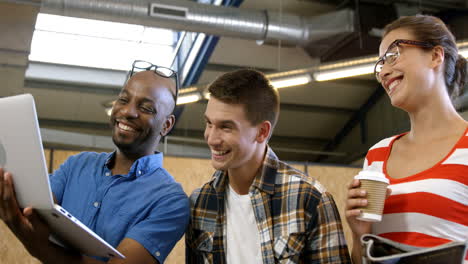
309, 151
356, 119
86, 76
316, 109
308, 108
62, 139
227, 68
45, 122
278, 143
301, 140
279, 139
53, 138
48, 85
190, 137
355, 81
199, 141
58, 137
436, 4
426, 3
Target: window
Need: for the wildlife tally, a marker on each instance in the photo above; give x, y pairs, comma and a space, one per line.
99, 44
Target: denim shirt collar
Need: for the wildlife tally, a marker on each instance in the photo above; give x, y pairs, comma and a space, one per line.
141, 166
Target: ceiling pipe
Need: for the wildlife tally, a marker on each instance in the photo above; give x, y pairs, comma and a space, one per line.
260, 25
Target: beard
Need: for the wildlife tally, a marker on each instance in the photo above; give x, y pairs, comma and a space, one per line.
135, 146
123, 146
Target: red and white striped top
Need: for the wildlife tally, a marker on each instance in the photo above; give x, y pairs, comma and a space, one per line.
428, 208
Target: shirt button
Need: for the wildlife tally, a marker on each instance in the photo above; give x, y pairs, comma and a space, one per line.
139, 172
157, 254
107, 173
96, 204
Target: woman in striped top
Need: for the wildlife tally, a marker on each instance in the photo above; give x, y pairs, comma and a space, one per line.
421, 71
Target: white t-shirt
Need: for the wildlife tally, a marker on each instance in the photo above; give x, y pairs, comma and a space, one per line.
243, 237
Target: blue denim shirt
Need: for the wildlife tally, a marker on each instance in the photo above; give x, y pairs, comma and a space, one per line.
146, 205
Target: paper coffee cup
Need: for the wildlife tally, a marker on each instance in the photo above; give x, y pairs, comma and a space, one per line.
375, 183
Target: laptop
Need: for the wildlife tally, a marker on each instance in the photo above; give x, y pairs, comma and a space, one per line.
21, 153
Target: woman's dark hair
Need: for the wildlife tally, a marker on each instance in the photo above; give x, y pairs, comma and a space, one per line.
433, 30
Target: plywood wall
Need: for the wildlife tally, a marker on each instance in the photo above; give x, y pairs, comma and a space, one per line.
11, 250
335, 179
60, 156
47, 157
191, 173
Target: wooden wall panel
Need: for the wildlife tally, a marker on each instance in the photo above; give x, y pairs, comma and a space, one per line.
191, 174
300, 167
60, 156
47, 158
11, 250
335, 179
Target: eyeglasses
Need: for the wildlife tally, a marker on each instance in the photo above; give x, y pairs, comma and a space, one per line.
393, 52
165, 72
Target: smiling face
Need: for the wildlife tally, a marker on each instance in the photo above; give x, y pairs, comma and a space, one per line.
409, 79
234, 142
142, 113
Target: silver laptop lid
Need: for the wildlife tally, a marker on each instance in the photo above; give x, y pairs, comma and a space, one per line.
21, 151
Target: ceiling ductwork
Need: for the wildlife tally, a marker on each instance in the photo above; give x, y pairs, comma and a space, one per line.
263, 26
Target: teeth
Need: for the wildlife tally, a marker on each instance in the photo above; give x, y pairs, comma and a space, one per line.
393, 84
125, 127
219, 152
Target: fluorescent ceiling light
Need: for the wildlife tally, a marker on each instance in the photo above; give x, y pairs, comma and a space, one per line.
108, 110
99, 44
343, 73
188, 98
355, 70
291, 81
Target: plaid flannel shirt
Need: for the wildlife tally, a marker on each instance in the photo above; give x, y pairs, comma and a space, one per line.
297, 219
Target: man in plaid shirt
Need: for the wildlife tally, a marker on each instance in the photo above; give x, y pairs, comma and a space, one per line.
256, 208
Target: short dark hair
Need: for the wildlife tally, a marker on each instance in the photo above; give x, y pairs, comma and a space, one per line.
252, 89
434, 31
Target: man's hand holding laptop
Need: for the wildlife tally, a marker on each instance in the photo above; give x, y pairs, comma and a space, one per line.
25, 224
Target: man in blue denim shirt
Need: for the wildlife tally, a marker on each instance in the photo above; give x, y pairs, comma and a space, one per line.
126, 196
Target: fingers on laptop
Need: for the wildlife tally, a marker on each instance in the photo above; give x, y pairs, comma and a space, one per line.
2, 214
4, 196
9, 207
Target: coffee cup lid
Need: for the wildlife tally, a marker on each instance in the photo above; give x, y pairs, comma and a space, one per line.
372, 175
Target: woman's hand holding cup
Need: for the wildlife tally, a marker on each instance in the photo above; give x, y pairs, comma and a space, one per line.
365, 201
